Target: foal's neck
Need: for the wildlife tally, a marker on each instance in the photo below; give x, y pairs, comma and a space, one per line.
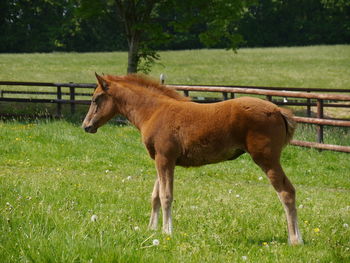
138, 107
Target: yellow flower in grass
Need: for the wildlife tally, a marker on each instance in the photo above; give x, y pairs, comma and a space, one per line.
316, 230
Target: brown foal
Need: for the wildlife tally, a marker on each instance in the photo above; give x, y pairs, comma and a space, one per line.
177, 131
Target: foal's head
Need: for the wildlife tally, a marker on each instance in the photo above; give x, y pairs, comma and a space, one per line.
102, 107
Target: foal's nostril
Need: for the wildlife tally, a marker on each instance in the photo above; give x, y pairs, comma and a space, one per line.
90, 129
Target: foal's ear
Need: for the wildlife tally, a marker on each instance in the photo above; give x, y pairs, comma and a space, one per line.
102, 82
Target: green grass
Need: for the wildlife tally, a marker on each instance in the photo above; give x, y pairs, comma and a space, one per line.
54, 177
309, 67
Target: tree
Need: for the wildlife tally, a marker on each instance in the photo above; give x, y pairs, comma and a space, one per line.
296, 22
137, 19
145, 27
31, 25
214, 18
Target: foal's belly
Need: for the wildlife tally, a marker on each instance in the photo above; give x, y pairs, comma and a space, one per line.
198, 157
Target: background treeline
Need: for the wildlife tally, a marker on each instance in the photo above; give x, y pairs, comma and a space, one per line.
66, 25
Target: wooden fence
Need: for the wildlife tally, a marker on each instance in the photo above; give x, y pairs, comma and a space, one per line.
279, 95
57, 93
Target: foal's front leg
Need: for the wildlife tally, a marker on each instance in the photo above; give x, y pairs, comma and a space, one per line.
165, 169
153, 223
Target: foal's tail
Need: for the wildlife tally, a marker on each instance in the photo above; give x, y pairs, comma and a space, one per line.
290, 123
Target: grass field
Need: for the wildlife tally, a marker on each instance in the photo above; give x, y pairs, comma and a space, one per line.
309, 67
54, 178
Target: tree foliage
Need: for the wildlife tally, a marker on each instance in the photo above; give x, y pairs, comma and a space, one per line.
144, 26
296, 22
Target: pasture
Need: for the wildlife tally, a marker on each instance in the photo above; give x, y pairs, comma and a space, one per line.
309, 67
54, 178
68, 196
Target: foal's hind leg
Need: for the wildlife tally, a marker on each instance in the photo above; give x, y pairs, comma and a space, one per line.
286, 194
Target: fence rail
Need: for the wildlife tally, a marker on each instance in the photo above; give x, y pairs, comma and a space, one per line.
310, 98
58, 100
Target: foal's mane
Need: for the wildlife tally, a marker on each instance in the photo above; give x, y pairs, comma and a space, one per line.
142, 81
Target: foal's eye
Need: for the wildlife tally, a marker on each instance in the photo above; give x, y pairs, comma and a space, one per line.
96, 100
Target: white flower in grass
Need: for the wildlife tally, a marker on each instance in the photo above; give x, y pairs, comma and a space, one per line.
128, 178
155, 242
301, 206
107, 171
260, 178
136, 228
238, 196
346, 225
230, 191
93, 218
244, 258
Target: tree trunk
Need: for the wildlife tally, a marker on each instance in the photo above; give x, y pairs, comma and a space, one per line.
135, 15
133, 58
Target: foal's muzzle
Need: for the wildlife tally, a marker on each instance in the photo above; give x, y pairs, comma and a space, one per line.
90, 129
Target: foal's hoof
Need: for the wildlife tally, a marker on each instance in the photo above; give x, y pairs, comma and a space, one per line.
296, 242
167, 231
152, 227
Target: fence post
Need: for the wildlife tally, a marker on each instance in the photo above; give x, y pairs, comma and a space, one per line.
162, 78
232, 95
320, 116
225, 96
308, 107
59, 105
269, 97
72, 98
186, 93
